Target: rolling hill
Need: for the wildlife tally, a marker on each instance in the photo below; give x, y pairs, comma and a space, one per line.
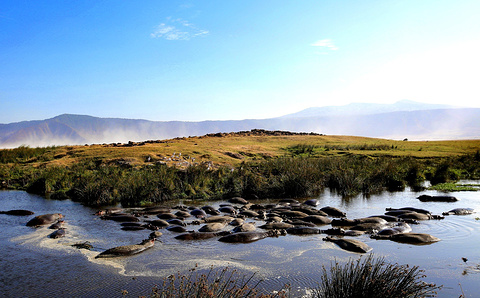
401, 120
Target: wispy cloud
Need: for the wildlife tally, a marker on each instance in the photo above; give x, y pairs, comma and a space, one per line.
177, 29
325, 44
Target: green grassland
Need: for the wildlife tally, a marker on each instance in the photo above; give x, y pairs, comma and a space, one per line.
254, 164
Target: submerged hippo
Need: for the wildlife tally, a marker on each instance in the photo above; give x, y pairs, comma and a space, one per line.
460, 211
246, 237
311, 202
414, 238
44, 219
400, 227
238, 200
276, 226
57, 234
415, 215
213, 227
419, 210
303, 231
246, 227
201, 235
349, 244
428, 198
19, 212
333, 212
317, 219
121, 217
127, 250
177, 229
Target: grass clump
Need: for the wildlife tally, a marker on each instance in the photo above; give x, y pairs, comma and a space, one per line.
214, 283
373, 277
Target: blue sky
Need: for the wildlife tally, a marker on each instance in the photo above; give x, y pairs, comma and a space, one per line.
219, 60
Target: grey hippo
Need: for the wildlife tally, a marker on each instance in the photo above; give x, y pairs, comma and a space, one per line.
246, 237
57, 234
201, 235
19, 212
213, 227
127, 250
44, 219
400, 227
460, 211
246, 227
349, 244
276, 225
414, 238
303, 231
428, 198
333, 212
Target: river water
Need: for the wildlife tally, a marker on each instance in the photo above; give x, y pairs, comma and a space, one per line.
33, 265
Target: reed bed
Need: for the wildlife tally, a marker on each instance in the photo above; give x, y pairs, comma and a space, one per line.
373, 277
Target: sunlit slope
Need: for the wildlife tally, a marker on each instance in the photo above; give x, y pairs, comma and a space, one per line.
234, 148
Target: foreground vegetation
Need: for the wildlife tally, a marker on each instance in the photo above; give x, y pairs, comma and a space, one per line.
261, 166
370, 277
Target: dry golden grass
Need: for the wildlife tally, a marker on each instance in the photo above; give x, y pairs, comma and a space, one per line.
232, 149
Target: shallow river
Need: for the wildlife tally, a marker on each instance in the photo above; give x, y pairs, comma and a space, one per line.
34, 265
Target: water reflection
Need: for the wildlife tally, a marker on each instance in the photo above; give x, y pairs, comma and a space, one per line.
289, 259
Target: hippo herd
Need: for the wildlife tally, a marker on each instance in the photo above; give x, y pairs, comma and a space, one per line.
240, 221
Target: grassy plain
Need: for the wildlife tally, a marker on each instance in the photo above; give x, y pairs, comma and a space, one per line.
232, 149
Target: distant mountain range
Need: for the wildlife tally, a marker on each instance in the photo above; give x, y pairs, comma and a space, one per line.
404, 119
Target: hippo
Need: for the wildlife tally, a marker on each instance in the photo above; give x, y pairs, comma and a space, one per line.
289, 201
354, 233
389, 218
176, 221
428, 198
212, 227
166, 216
334, 231
227, 209
210, 210
44, 219
273, 219
415, 215
349, 244
182, 214
249, 213
133, 228
246, 237
301, 223
246, 227
238, 200
155, 235
333, 212
127, 250
303, 231
317, 219
293, 214
419, 210
400, 227
57, 225
121, 217
217, 218
177, 229
311, 202
18, 212
198, 213
201, 235
237, 222
414, 238
460, 211
155, 210
276, 225
57, 234
109, 211
369, 227
343, 222
158, 223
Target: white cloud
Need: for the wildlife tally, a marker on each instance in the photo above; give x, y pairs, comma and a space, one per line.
325, 44
177, 29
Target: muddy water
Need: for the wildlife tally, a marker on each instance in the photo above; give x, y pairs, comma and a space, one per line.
35, 265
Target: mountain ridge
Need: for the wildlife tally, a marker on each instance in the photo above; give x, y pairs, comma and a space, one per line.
73, 129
